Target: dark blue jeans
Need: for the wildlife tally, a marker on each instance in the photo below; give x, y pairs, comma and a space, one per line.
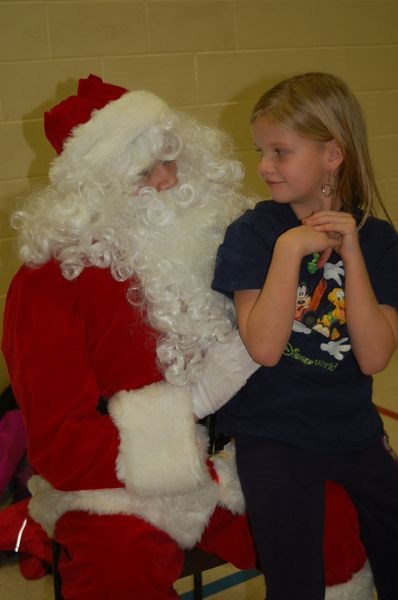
284, 491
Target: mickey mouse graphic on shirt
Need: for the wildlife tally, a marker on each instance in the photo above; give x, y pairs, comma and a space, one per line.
322, 309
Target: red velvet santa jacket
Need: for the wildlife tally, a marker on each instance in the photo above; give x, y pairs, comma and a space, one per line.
66, 344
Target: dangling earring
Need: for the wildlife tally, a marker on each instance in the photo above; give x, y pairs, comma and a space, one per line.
328, 188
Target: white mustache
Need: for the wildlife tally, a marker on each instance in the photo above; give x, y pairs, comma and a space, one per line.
160, 209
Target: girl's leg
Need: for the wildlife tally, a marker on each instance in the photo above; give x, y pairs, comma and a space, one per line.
285, 505
116, 556
371, 478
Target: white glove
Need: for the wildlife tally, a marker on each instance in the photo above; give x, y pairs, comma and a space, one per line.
226, 369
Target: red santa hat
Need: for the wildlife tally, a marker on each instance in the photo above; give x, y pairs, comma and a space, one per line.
92, 94
93, 131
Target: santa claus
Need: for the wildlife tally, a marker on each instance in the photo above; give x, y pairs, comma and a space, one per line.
116, 345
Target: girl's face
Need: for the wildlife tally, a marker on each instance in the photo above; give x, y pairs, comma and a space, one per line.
293, 167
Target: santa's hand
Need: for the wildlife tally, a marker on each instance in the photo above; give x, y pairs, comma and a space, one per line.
226, 369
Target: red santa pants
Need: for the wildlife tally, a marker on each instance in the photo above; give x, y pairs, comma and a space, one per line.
123, 557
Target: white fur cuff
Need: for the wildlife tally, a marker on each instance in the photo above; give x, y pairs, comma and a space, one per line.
161, 449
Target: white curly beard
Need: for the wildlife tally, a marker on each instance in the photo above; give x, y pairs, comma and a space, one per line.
167, 240
175, 248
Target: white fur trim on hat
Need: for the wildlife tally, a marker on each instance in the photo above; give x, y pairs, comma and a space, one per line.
99, 144
162, 450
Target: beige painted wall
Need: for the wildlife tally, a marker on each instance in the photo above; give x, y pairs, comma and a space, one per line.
212, 58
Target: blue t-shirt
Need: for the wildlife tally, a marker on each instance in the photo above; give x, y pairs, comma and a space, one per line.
316, 396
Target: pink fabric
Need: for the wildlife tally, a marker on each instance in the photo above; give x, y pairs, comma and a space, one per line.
13, 440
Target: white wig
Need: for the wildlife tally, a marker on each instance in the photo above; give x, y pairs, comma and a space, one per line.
95, 212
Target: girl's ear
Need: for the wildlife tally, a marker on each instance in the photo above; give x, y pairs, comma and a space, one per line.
335, 155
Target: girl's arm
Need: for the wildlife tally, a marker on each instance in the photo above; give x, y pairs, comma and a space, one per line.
265, 317
373, 328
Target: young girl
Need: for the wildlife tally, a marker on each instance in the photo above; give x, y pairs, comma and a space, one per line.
314, 279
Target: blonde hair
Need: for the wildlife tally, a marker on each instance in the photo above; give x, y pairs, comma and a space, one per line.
321, 107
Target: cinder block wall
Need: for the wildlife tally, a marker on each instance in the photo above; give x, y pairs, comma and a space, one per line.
212, 58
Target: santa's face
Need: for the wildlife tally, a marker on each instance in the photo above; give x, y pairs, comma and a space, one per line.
161, 176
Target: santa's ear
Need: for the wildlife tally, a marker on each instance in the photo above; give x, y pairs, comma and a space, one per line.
335, 155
